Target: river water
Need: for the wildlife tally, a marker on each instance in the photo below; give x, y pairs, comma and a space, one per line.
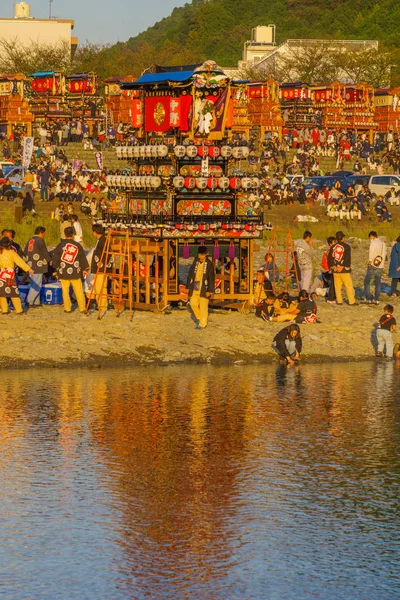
201, 483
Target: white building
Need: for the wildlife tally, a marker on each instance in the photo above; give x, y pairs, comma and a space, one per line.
27, 29
262, 52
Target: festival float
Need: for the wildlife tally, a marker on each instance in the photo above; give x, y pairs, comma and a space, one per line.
297, 108
118, 101
15, 113
387, 109
83, 98
47, 97
182, 191
264, 109
346, 106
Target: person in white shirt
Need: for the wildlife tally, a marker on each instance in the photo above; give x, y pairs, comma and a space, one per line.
376, 262
78, 237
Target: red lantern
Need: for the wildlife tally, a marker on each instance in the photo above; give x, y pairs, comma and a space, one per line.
214, 152
202, 151
190, 182
234, 183
212, 183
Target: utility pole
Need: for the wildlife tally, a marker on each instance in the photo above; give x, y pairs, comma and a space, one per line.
50, 3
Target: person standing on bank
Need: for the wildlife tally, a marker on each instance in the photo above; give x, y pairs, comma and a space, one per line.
394, 267
69, 259
376, 262
38, 258
9, 259
97, 267
339, 262
305, 256
387, 324
201, 286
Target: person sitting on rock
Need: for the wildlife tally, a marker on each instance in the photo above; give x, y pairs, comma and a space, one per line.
288, 344
304, 312
268, 307
385, 215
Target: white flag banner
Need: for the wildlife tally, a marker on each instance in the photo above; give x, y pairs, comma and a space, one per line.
204, 167
99, 160
27, 152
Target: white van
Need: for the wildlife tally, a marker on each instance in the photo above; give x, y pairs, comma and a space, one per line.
380, 184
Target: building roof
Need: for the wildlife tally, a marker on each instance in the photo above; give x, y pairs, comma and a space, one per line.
34, 20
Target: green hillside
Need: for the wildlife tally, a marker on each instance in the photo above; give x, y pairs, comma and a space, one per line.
217, 29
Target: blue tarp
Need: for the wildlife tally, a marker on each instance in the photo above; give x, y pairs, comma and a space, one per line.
177, 76
42, 74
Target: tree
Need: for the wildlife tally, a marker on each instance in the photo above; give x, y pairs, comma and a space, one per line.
19, 57
323, 63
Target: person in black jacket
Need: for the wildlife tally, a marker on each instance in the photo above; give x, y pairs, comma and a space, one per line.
201, 286
39, 259
288, 344
70, 260
339, 263
99, 267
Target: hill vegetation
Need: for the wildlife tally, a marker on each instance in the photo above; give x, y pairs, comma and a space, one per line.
217, 29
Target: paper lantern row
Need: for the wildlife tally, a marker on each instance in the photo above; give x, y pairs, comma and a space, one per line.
160, 151
223, 183
211, 151
133, 181
202, 227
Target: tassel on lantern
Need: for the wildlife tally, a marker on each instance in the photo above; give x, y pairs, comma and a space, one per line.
231, 250
216, 251
186, 250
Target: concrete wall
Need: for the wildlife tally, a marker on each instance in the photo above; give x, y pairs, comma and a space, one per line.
27, 30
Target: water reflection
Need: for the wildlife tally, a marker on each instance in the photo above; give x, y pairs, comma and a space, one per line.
200, 483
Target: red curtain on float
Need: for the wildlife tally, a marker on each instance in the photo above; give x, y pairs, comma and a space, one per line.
137, 114
157, 113
42, 84
186, 109
80, 86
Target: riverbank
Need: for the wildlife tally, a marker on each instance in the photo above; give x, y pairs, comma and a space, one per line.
47, 337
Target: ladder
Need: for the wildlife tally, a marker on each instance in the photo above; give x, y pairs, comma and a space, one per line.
282, 249
117, 288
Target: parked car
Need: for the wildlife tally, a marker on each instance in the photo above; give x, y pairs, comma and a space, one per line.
342, 174
294, 179
354, 180
319, 182
16, 176
380, 184
6, 166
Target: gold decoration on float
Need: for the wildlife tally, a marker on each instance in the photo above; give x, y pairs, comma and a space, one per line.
159, 113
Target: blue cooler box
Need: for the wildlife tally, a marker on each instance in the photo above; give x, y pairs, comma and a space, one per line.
23, 292
51, 293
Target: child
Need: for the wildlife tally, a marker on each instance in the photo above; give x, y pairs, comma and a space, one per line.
387, 324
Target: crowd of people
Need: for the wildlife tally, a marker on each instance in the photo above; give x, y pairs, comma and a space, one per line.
53, 178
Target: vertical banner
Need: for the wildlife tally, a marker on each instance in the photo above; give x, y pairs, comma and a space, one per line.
137, 114
99, 160
204, 167
27, 151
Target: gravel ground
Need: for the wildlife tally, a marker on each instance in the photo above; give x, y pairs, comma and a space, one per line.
48, 337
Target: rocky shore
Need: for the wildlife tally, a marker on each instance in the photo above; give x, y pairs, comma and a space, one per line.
50, 338
47, 337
